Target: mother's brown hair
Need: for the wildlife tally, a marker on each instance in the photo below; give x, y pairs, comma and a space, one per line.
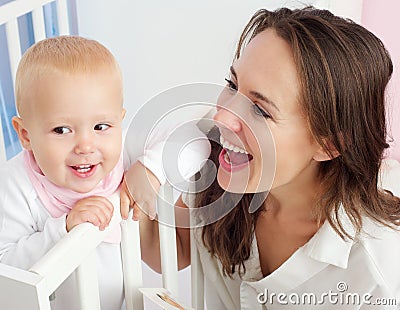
343, 71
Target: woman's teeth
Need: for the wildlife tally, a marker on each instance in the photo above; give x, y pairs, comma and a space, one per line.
225, 144
227, 158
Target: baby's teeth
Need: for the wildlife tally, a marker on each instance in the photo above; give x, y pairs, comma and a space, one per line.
83, 168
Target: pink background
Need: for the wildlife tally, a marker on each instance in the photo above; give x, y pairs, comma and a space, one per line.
382, 18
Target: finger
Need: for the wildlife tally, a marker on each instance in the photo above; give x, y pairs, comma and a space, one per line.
104, 218
152, 215
100, 206
105, 204
147, 210
101, 209
151, 210
124, 204
90, 217
130, 180
76, 217
125, 188
98, 215
94, 211
136, 212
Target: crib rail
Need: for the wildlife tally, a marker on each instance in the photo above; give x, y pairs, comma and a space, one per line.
75, 253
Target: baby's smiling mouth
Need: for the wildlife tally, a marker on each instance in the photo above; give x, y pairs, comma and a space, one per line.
83, 168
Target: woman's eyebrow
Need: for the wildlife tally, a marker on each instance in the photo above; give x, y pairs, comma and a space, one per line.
264, 99
258, 95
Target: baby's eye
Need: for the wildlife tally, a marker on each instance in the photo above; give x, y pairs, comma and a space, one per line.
101, 127
61, 130
231, 85
259, 111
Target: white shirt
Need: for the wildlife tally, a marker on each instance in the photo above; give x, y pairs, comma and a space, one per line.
326, 273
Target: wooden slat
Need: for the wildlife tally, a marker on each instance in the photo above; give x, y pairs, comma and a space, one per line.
27, 285
38, 24
62, 17
88, 284
14, 46
197, 275
17, 8
132, 263
166, 225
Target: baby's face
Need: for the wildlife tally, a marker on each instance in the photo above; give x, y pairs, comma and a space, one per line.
74, 127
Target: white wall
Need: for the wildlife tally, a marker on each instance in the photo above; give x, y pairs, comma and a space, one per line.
160, 44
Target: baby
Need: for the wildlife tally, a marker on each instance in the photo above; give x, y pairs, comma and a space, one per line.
69, 96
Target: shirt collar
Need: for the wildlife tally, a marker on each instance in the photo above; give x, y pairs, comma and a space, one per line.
324, 248
328, 247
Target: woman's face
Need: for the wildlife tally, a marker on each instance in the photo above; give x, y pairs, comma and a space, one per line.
266, 139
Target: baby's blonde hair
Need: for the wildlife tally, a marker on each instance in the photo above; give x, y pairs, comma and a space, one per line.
67, 54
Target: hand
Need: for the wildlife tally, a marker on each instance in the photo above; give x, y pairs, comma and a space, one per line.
94, 209
139, 191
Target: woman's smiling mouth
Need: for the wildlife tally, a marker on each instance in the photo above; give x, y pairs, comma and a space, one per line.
233, 158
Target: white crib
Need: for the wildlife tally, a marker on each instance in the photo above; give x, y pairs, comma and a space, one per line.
21, 289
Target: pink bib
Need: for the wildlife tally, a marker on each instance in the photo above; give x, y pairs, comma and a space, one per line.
58, 200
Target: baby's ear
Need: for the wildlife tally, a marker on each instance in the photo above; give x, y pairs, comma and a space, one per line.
23, 134
326, 153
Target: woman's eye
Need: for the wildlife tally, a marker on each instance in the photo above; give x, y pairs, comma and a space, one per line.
259, 111
101, 127
61, 130
231, 85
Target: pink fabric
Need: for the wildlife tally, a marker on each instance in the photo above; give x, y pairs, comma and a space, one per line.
59, 200
380, 18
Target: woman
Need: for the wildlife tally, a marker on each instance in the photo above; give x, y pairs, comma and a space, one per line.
311, 138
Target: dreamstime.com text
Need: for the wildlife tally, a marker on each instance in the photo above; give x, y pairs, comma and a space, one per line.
340, 296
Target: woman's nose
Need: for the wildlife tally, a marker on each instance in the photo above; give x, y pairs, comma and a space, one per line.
226, 117
84, 144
